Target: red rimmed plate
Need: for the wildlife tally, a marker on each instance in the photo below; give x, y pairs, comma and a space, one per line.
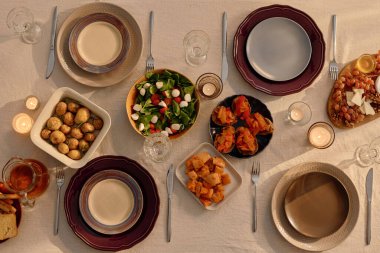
285, 87
135, 234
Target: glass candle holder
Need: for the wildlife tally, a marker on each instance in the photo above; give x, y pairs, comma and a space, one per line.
22, 123
32, 103
299, 113
209, 86
321, 135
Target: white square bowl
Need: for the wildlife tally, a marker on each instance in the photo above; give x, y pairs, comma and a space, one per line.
48, 111
230, 189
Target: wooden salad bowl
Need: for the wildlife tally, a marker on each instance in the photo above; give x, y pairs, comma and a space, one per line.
133, 93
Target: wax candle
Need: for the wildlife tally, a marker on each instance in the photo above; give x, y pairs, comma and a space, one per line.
296, 114
32, 102
22, 123
321, 135
208, 89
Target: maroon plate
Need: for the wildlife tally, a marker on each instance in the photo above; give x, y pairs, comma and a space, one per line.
286, 87
130, 237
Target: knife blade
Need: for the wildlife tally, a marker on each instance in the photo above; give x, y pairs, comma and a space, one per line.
51, 60
169, 187
368, 186
224, 48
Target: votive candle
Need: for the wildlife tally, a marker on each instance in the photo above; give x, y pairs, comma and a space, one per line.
321, 135
32, 103
22, 123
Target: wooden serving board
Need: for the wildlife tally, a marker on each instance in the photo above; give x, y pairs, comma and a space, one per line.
330, 102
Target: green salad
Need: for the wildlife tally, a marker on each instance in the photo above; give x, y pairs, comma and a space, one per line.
165, 103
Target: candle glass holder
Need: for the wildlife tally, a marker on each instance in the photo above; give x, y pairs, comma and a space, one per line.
21, 21
321, 135
209, 86
299, 113
32, 103
22, 123
196, 44
157, 147
368, 154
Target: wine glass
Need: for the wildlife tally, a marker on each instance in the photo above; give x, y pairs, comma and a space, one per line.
196, 45
368, 154
157, 147
21, 21
19, 177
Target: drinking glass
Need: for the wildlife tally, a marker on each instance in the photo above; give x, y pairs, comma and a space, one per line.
368, 154
299, 113
21, 21
27, 177
157, 147
196, 45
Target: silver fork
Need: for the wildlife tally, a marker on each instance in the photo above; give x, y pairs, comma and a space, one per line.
333, 67
150, 59
60, 176
255, 173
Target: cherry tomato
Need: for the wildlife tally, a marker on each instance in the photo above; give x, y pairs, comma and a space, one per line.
178, 99
163, 109
152, 126
168, 101
155, 99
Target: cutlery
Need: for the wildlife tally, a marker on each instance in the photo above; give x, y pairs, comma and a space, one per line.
150, 59
60, 177
368, 185
169, 186
333, 67
255, 173
224, 48
51, 61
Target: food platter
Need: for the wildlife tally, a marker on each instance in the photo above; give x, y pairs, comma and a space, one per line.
256, 107
289, 232
123, 240
102, 79
279, 88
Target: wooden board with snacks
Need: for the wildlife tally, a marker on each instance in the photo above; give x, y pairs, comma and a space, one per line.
355, 97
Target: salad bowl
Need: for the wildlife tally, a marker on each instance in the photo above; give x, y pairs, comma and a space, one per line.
165, 101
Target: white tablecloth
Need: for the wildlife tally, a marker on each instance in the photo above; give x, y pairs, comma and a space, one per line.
228, 229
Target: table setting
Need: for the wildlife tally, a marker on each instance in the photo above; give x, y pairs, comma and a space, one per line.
201, 126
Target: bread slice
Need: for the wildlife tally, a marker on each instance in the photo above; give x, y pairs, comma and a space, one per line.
8, 227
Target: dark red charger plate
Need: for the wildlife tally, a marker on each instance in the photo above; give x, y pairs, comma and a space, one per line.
143, 226
272, 87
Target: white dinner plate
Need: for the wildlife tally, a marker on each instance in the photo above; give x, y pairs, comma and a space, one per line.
278, 49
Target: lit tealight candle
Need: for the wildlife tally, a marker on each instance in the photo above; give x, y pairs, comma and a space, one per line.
22, 123
296, 114
208, 89
321, 135
32, 103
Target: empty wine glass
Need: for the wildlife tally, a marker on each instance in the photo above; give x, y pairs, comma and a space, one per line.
196, 45
21, 21
157, 147
368, 154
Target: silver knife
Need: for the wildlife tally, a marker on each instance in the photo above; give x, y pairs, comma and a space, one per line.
224, 48
51, 61
368, 186
169, 186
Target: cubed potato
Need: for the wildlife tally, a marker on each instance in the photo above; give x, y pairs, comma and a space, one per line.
226, 179
213, 179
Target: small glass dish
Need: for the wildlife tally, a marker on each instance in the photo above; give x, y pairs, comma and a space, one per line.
299, 113
209, 86
321, 135
196, 44
157, 147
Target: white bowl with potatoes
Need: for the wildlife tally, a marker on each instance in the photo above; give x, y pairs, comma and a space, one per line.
70, 127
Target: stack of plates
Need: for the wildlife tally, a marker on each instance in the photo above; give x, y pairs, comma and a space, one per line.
112, 203
99, 44
315, 206
279, 50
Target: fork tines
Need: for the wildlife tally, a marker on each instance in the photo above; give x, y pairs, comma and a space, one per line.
255, 168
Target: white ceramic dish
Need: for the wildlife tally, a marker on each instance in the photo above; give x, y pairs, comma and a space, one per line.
47, 112
230, 189
278, 49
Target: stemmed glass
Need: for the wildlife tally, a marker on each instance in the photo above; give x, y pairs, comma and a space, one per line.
368, 154
196, 45
21, 21
157, 147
